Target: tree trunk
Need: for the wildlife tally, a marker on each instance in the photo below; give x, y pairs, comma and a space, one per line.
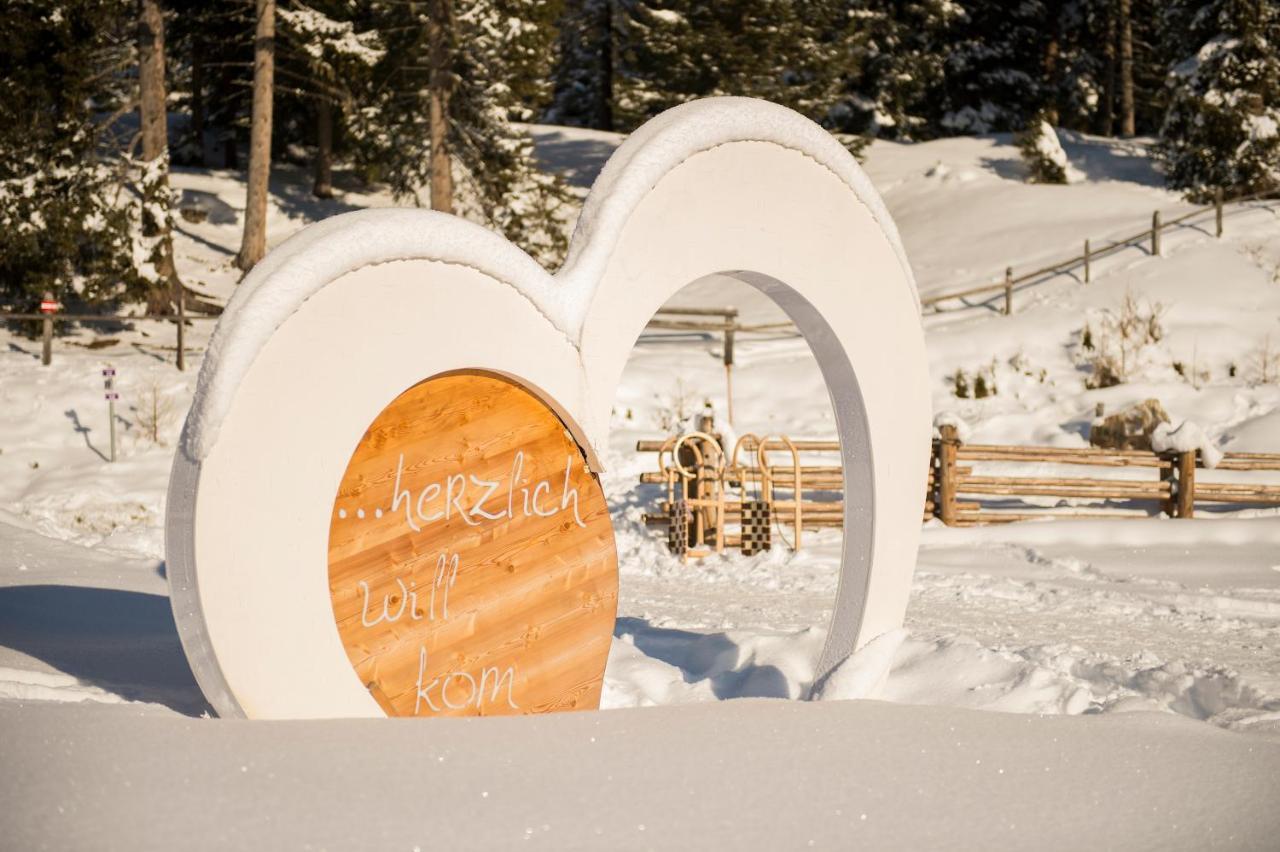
254, 244
153, 119
1128, 123
197, 97
1050, 63
440, 35
604, 108
323, 187
1051, 73
1109, 78
151, 96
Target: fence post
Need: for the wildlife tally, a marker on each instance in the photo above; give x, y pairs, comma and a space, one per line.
1008, 290
947, 448
1169, 475
46, 332
1086, 260
1217, 210
182, 323
1155, 233
1186, 507
729, 329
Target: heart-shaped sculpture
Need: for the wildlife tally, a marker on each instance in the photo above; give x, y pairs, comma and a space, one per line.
400, 411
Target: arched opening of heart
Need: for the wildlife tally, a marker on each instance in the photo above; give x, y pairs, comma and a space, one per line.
731, 490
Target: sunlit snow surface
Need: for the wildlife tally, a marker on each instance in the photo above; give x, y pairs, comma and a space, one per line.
1064, 617
1068, 617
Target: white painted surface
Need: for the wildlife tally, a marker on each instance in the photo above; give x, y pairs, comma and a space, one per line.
266, 490
270, 433
306, 262
763, 210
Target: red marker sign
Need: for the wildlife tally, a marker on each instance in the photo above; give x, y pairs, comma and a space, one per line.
49, 306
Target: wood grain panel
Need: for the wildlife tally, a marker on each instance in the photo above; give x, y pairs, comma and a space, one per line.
472, 566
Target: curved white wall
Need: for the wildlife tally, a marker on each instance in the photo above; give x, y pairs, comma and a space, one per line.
345, 316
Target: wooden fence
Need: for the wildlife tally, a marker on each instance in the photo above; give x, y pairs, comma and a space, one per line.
1161, 482
716, 498
1084, 261
47, 321
692, 319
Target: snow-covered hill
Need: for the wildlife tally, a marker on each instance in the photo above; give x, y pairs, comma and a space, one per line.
1068, 617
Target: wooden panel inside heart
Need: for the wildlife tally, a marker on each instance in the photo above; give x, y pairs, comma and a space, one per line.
472, 565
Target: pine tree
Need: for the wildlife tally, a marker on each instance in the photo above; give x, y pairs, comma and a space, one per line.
1042, 152
325, 60
529, 34
1222, 129
583, 80
661, 60
66, 225
497, 180
212, 75
673, 51
894, 55
994, 71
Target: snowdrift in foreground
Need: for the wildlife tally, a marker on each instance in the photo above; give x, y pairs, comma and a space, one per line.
651, 667
739, 775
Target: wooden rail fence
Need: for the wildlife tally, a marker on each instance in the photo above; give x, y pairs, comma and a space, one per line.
47, 321
1150, 236
1168, 482
691, 319
687, 319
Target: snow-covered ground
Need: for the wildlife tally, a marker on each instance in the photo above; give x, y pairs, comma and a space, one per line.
1067, 617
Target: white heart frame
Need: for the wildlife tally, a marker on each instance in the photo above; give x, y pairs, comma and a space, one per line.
344, 316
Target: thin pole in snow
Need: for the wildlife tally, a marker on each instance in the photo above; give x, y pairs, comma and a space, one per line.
108, 382
728, 364
48, 307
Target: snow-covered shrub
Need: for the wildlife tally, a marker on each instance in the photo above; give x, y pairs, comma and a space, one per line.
983, 383
1194, 372
155, 413
675, 410
1042, 152
1265, 362
1124, 335
1106, 371
982, 388
1130, 429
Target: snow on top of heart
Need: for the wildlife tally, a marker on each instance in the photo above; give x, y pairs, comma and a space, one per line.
321, 253
666, 141
325, 251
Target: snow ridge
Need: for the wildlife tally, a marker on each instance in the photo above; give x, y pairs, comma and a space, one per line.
669, 139
323, 252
